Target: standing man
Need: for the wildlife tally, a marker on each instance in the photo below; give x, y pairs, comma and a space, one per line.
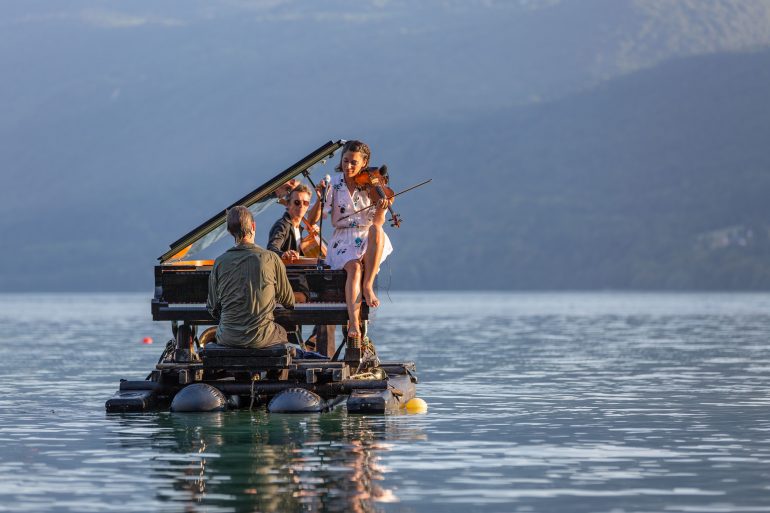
244, 285
286, 233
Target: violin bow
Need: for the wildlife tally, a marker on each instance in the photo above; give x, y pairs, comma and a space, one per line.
387, 197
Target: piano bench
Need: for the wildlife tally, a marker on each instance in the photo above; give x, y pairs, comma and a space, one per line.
274, 357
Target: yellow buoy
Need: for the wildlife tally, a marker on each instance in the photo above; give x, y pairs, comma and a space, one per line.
416, 405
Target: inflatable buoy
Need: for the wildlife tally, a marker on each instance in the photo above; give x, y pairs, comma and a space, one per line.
296, 400
416, 405
199, 397
147, 340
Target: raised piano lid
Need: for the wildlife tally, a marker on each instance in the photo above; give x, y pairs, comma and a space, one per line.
211, 230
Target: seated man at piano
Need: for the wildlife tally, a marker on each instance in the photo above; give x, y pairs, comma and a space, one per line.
244, 285
286, 234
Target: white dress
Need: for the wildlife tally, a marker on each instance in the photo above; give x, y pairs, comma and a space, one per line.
350, 235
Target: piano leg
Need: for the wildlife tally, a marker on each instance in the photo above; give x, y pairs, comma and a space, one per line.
325, 343
185, 339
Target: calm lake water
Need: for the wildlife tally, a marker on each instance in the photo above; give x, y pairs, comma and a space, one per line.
569, 402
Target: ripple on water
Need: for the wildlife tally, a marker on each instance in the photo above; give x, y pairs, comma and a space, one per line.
537, 402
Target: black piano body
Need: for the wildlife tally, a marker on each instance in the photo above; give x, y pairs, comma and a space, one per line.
181, 290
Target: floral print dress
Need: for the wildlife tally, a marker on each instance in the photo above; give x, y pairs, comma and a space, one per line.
348, 241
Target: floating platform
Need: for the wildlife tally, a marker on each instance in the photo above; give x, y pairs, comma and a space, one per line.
249, 378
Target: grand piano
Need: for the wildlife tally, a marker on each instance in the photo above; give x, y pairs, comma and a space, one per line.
181, 284
261, 376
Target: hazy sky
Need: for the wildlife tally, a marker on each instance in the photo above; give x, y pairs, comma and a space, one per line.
157, 115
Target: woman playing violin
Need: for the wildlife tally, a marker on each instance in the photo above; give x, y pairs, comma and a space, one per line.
359, 244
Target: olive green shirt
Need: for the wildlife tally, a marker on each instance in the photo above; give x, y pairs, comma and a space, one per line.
244, 285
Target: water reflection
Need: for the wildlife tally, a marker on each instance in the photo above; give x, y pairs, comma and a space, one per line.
595, 402
252, 461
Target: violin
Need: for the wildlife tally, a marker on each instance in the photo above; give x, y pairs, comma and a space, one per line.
374, 180
312, 245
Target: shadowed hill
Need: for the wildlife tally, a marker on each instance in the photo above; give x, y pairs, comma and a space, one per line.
657, 180
654, 181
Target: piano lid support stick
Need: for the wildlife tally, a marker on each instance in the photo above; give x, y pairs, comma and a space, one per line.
306, 174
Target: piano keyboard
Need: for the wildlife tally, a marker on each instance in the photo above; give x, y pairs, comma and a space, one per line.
318, 306
302, 313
